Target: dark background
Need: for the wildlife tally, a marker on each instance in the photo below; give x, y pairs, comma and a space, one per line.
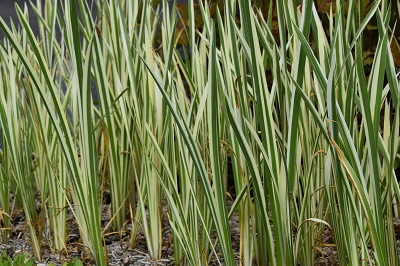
7, 12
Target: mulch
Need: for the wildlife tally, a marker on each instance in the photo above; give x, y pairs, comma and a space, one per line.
120, 253
117, 246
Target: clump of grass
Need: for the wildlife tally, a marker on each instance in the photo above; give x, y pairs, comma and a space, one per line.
282, 98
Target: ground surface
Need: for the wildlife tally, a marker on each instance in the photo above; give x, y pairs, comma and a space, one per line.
119, 251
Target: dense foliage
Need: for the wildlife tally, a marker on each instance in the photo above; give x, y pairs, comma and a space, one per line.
277, 110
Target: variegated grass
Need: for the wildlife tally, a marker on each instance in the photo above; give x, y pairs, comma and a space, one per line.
312, 137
